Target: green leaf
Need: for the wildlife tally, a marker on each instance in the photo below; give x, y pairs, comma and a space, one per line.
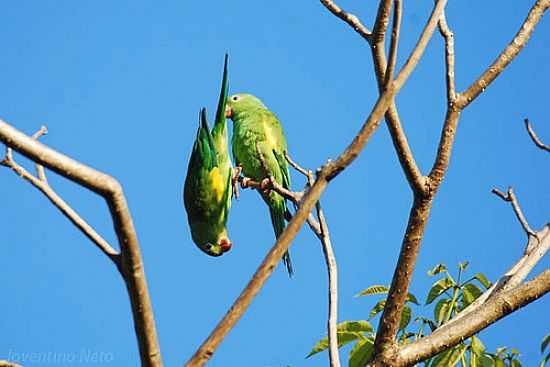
500, 351
438, 288
361, 352
441, 309
463, 265
477, 346
373, 289
485, 360
347, 332
483, 280
378, 307
380, 289
470, 292
437, 269
411, 298
448, 358
405, 317
545, 342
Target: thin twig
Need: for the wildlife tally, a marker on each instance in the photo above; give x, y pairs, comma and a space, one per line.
517, 272
349, 18
65, 209
535, 138
507, 55
423, 40
296, 166
39, 168
320, 229
59, 203
131, 262
394, 42
332, 270
448, 36
511, 197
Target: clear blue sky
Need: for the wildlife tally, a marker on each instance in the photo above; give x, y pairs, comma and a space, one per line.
120, 84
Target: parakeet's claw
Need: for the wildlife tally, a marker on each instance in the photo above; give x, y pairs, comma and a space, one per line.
244, 182
234, 179
266, 185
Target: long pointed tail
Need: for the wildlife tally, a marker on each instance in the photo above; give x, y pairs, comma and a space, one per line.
277, 213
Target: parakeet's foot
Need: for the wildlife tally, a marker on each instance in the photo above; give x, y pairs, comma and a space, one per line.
234, 179
265, 186
245, 182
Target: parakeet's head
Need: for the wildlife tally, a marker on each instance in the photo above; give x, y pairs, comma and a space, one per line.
242, 102
211, 244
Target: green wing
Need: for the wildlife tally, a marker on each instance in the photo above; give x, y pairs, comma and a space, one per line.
204, 154
219, 131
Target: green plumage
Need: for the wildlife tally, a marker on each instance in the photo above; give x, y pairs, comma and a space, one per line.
208, 188
255, 126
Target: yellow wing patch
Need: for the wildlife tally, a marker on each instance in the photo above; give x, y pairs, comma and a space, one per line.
218, 183
269, 134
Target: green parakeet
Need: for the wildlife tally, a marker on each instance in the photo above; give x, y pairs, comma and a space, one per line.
208, 186
255, 127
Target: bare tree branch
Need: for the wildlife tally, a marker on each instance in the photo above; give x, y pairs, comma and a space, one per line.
349, 18
453, 112
385, 347
498, 307
327, 173
394, 42
71, 214
511, 197
332, 269
535, 138
399, 139
449, 58
320, 229
41, 183
539, 245
381, 23
506, 56
299, 168
131, 262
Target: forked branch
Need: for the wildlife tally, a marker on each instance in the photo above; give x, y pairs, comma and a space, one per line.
42, 184
511, 198
349, 18
131, 264
507, 55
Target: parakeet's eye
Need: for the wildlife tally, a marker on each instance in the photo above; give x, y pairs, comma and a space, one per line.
235, 98
208, 247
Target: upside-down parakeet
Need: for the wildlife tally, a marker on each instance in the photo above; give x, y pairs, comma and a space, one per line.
257, 128
208, 185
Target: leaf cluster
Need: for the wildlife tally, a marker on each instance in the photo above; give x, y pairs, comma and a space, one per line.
448, 296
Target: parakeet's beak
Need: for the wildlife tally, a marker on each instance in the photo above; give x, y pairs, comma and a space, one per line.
225, 244
228, 112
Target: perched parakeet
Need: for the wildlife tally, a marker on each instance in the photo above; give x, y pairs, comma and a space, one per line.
208, 185
257, 128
